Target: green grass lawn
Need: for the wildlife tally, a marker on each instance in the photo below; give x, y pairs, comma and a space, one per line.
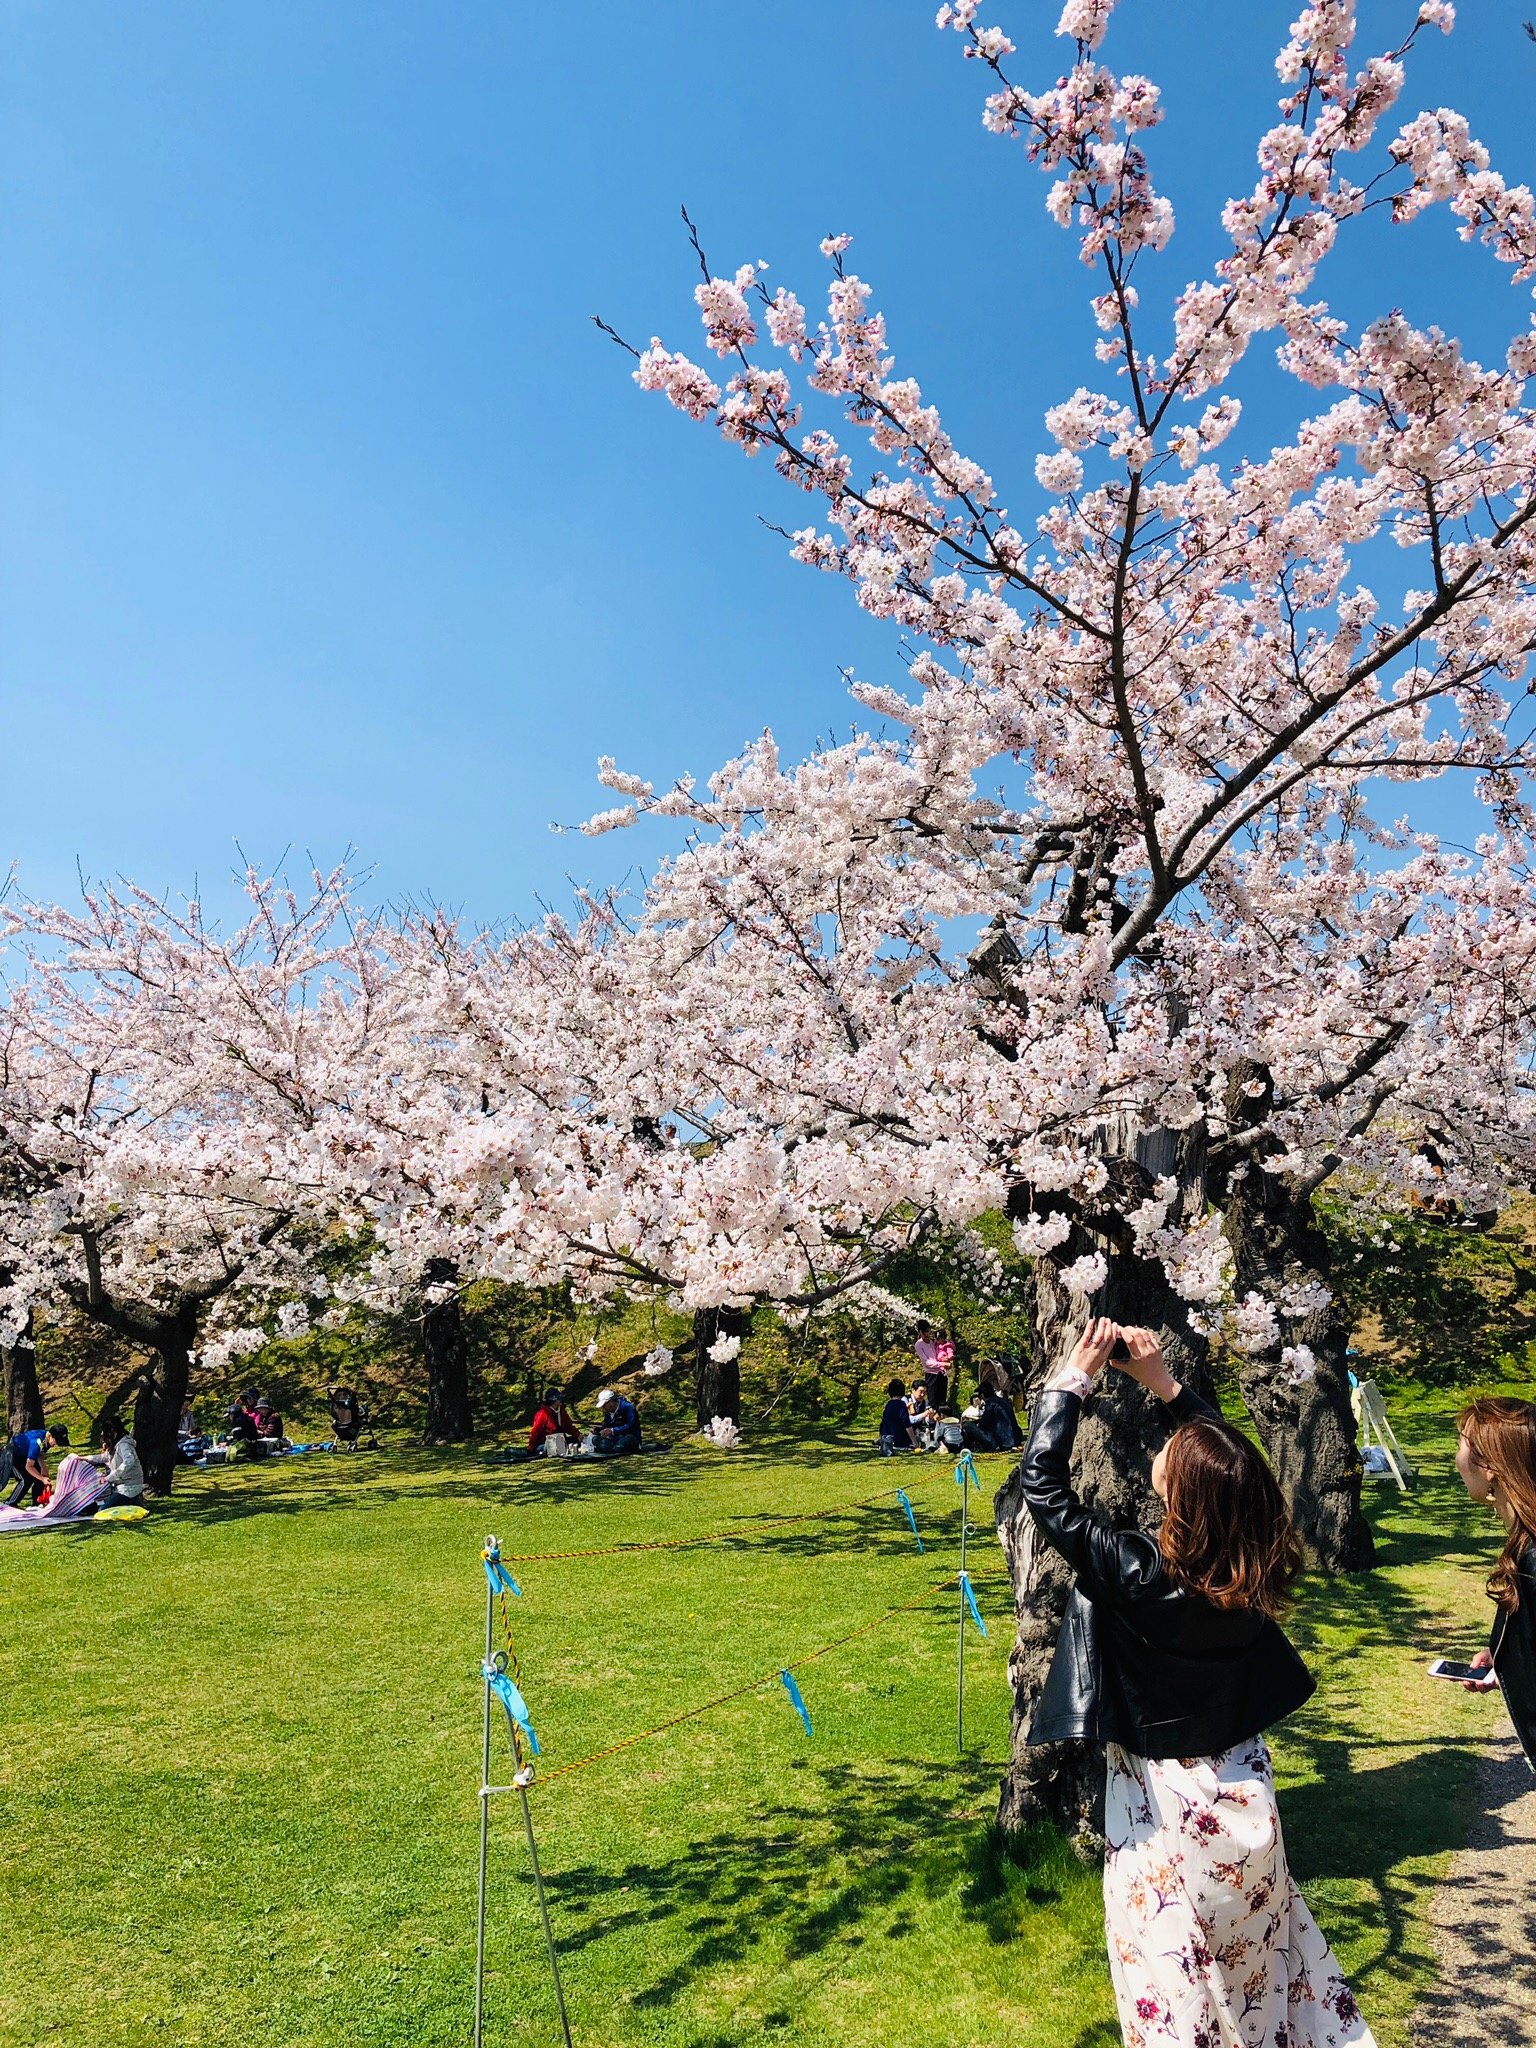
240, 1749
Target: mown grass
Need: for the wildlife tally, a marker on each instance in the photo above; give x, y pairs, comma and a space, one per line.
240, 1746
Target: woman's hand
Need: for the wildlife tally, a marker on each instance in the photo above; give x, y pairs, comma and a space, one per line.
1146, 1364
1090, 1354
1483, 1661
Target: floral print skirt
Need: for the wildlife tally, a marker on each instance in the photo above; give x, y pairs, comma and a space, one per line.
1210, 1943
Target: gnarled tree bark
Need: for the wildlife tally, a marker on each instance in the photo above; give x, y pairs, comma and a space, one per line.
23, 1396
445, 1350
1305, 1423
162, 1394
169, 1332
717, 1382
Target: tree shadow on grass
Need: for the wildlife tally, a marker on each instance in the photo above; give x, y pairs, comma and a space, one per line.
1375, 1828
856, 1862
1377, 1609
862, 1856
322, 1483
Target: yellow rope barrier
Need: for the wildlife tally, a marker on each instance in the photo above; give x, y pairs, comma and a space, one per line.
741, 1691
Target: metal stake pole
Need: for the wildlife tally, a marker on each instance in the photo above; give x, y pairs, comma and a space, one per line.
965, 1524
538, 1882
485, 1823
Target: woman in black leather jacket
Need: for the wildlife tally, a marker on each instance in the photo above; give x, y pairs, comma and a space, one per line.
1496, 1457
1170, 1654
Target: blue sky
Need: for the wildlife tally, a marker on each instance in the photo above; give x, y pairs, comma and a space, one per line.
328, 519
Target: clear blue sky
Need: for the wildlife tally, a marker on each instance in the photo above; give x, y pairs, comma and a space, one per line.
327, 516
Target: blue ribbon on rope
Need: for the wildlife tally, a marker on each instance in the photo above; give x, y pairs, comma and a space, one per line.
496, 1574
901, 1496
966, 1464
970, 1601
796, 1702
516, 1706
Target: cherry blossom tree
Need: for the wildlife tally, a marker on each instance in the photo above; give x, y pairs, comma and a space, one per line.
574, 1105
1195, 709
169, 1095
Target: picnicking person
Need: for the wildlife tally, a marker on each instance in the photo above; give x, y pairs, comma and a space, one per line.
999, 1424
119, 1459
948, 1432
896, 1431
269, 1426
1171, 1654
920, 1414
973, 1425
553, 1432
240, 1425
76, 1490
618, 1432
1496, 1458
935, 1355
28, 1462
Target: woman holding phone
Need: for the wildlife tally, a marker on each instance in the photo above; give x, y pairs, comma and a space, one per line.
1171, 1655
1496, 1457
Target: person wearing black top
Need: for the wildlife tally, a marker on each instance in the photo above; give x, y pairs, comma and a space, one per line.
1170, 1655
896, 1431
1496, 1457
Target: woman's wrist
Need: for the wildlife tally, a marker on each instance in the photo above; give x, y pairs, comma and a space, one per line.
1070, 1379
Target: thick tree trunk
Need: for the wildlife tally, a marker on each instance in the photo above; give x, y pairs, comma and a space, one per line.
445, 1349
162, 1393
1064, 1782
1304, 1419
23, 1396
717, 1382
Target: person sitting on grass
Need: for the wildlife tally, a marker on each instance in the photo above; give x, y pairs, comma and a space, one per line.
948, 1431
269, 1426
119, 1459
896, 1431
619, 1431
999, 1424
552, 1419
28, 1461
921, 1415
973, 1425
244, 1437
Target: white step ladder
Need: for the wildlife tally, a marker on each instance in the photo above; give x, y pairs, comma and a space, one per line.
1377, 1432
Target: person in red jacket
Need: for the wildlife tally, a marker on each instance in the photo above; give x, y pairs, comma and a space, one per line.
553, 1419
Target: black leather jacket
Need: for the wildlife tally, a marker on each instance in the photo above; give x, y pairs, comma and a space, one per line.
1513, 1647
1140, 1660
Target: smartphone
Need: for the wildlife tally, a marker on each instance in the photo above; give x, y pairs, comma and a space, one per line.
1446, 1667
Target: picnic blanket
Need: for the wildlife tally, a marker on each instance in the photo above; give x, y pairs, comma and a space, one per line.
77, 1487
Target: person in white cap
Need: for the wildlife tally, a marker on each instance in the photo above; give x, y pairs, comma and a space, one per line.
619, 1431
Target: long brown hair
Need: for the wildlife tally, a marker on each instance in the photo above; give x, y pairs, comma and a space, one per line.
1502, 1433
1226, 1533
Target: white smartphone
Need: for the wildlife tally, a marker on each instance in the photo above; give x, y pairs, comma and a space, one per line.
1477, 1674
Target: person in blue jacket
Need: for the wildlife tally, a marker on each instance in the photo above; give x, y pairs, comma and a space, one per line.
28, 1472
619, 1431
